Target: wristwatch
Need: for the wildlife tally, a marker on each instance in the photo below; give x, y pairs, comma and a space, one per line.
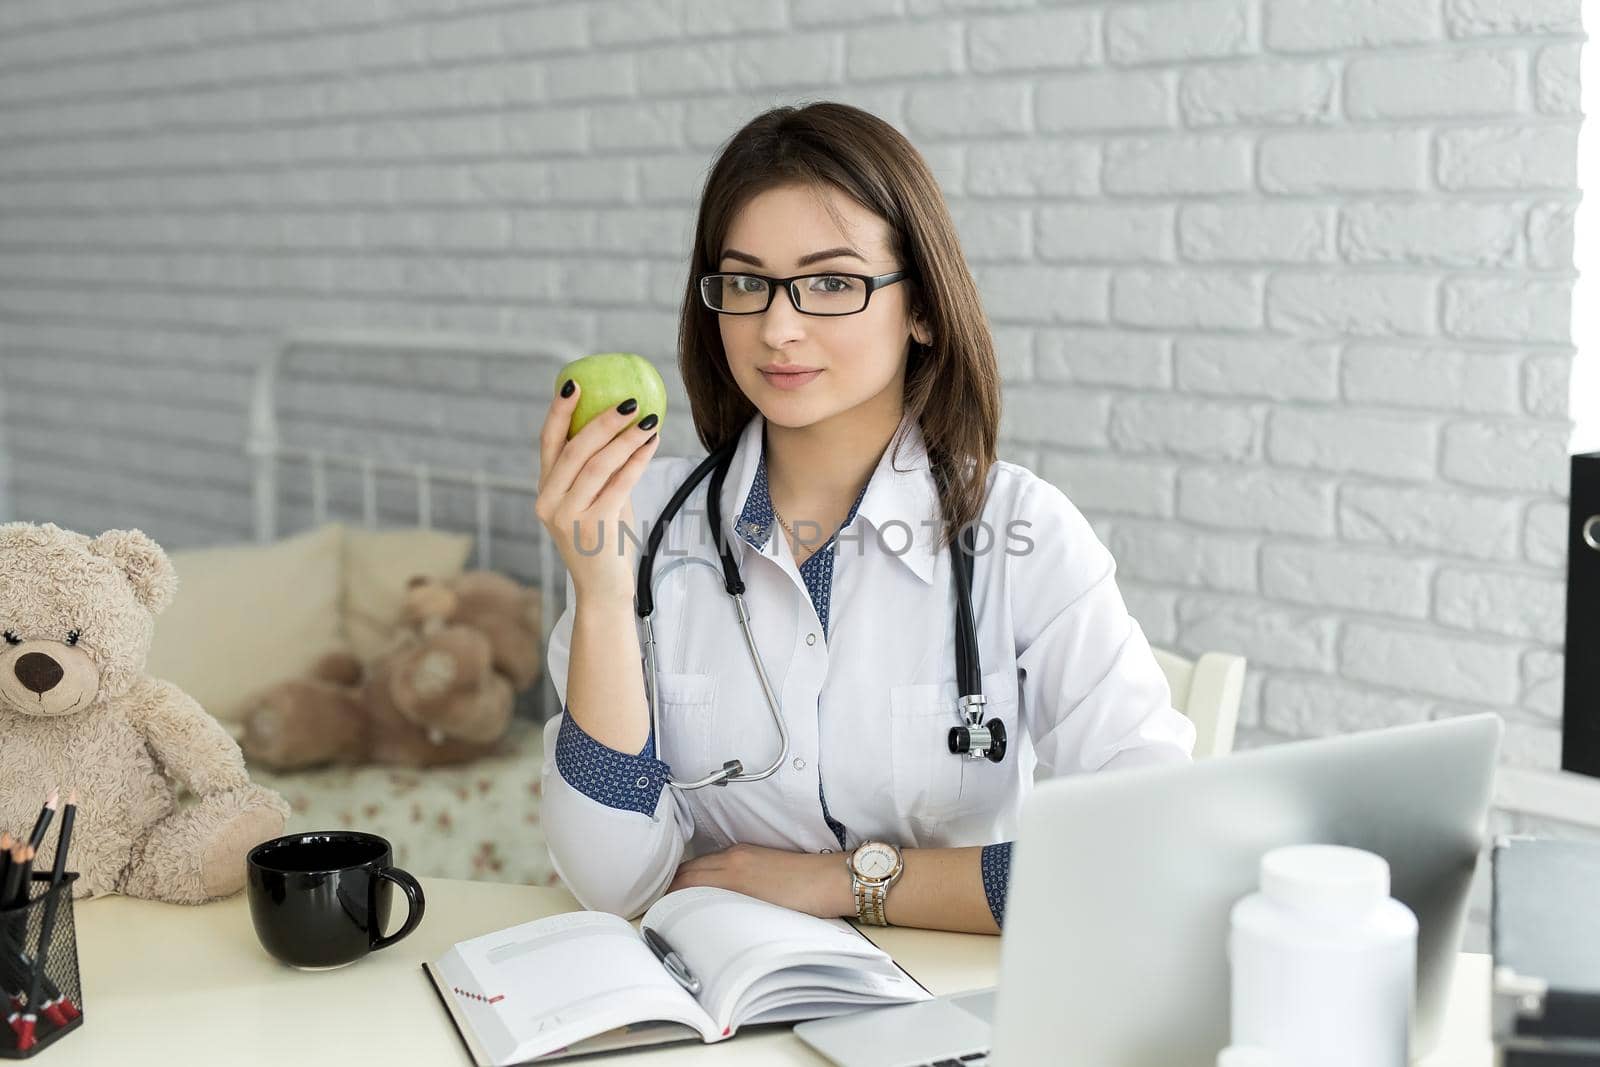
874, 867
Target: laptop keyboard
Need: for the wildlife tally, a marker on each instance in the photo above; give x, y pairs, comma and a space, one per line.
971, 1059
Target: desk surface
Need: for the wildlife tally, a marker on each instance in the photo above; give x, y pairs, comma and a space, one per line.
166, 984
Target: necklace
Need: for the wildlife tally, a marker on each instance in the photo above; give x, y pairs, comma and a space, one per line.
788, 531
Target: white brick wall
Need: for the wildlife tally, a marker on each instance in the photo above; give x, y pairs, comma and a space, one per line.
6, 513
1281, 287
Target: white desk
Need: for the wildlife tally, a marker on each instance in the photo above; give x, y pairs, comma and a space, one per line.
166, 984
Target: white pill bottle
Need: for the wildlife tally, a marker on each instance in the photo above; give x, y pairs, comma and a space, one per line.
1324, 961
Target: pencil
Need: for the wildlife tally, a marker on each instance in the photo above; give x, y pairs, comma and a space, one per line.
64, 838
8, 888
15, 967
59, 1010
25, 879
37, 837
16, 970
22, 1024
14, 977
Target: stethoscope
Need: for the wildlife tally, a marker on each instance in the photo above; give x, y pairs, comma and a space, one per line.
974, 738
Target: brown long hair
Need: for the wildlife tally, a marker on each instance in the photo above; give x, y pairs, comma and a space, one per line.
952, 386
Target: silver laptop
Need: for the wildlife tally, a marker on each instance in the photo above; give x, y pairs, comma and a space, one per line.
1116, 927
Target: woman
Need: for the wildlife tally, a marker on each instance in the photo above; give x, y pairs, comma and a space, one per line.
866, 417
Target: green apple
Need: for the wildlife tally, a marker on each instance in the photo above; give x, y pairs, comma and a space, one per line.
606, 379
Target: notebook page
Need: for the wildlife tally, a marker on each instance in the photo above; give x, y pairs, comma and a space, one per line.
730, 941
535, 988
820, 987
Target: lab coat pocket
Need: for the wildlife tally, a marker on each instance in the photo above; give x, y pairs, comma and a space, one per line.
929, 780
984, 783
687, 706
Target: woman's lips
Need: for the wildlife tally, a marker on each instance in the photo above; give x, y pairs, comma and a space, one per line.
789, 381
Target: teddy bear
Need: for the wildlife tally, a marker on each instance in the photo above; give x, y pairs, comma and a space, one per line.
441, 692
78, 711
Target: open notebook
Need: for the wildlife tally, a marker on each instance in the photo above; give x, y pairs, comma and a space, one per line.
586, 981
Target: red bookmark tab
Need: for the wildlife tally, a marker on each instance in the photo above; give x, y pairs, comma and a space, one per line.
726, 1030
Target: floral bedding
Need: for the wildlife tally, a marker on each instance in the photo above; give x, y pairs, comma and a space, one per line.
477, 821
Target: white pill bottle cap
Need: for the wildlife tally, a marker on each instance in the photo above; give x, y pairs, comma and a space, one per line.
1330, 881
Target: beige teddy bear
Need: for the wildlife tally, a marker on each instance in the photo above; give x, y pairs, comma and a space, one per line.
442, 692
77, 710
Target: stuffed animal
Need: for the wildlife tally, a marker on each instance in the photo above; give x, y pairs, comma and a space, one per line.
442, 691
77, 710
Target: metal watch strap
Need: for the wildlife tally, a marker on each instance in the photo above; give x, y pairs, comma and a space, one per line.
870, 897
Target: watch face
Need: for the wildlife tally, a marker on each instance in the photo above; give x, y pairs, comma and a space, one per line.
874, 861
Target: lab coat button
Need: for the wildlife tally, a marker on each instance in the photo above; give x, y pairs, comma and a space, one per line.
799, 764
811, 639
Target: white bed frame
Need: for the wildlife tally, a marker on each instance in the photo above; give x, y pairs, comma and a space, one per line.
271, 456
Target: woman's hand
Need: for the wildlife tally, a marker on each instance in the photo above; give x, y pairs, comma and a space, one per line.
585, 488
814, 884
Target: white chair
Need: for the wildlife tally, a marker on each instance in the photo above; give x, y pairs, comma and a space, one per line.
1208, 691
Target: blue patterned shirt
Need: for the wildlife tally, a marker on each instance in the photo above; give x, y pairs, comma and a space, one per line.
635, 782
995, 864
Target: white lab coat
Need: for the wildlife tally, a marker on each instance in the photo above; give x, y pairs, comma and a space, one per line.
868, 707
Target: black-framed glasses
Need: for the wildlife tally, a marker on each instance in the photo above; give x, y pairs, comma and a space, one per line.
811, 294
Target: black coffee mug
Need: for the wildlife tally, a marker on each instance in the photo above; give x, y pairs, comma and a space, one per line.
321, 900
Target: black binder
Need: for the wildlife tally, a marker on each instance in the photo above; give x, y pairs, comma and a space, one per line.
1580, 735
1545, 938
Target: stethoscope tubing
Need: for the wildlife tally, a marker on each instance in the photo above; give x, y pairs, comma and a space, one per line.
732, 770
968, 670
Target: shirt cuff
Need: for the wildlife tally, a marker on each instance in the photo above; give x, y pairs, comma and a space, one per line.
603, 774
996, 865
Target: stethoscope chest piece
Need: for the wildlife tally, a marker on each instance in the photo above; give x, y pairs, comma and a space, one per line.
977, 739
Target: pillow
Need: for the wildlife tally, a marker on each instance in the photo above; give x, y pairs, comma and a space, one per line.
377, 565
246, 616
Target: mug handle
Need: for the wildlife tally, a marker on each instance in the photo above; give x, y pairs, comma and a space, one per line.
416, 904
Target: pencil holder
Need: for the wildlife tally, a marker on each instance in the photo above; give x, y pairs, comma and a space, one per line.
41, 997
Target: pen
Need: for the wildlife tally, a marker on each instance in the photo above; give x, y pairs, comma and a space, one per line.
670, 959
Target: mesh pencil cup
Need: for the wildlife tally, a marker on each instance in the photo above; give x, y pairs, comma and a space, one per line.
41, 997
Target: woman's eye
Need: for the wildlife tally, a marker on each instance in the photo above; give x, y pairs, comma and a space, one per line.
72, 637
12, 638
747, 284
831, 283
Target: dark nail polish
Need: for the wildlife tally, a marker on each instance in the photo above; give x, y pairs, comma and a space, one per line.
567, 387
628, 406
648, 422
